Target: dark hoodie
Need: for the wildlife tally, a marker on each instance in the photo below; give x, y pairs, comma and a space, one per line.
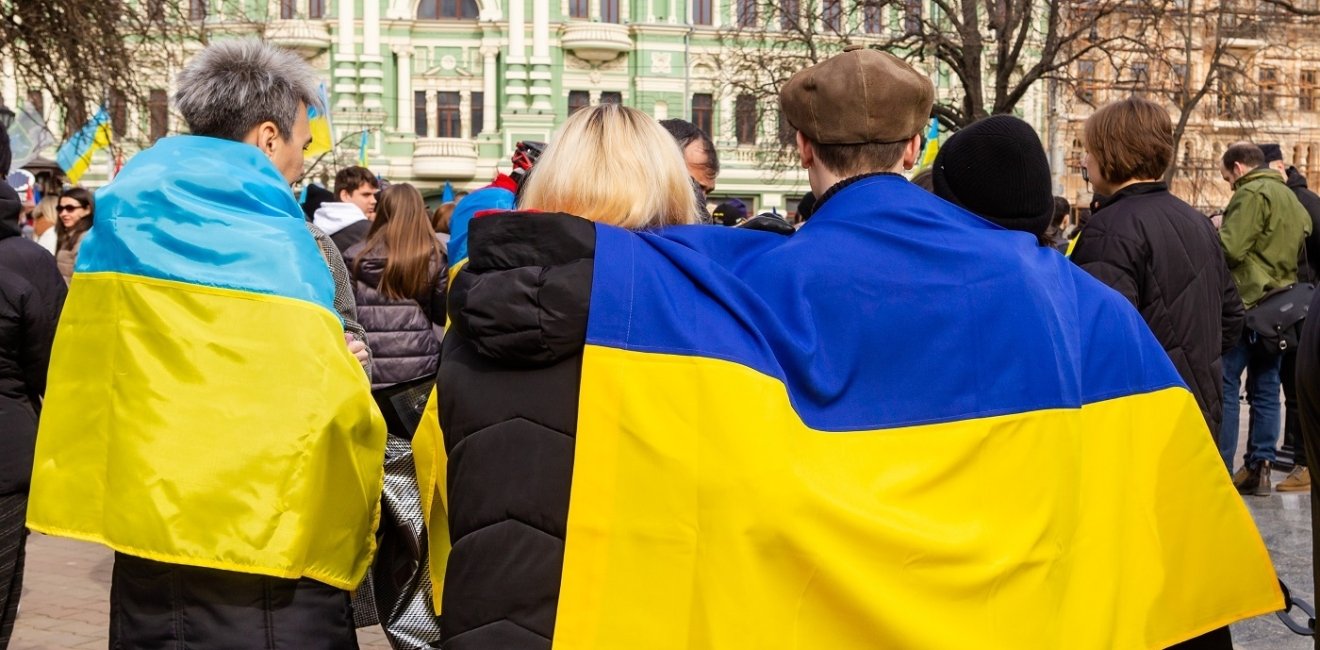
1311, 201
31, 296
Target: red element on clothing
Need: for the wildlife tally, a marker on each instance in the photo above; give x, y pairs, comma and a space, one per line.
504, 182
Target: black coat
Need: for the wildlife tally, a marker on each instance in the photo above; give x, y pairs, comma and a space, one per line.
31, 297
510, 432
1306, 271
404, 335
1165, 258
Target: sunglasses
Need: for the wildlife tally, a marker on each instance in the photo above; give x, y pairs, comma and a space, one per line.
70, 208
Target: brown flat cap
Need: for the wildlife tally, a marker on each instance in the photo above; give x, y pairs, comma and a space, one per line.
858, 97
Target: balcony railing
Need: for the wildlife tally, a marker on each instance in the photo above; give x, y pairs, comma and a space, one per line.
308, 38
453, 158
595, 41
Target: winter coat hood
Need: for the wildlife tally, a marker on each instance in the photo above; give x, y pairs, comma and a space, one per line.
334, 217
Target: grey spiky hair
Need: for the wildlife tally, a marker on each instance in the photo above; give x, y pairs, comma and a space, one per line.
234, 85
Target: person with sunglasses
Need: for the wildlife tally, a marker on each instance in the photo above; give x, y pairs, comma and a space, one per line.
75, 219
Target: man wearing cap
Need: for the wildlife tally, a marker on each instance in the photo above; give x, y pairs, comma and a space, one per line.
937, 419
1299, 477
1264, 227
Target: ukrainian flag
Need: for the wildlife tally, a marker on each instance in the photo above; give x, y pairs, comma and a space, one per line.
929, 433
318, 122
932, 143
75, 155
203, 407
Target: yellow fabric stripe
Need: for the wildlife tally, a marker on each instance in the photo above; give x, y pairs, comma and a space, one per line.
705, 515
432, 461
209, 427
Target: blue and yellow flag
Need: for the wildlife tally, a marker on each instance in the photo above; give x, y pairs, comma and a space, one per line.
203, 407
75, 155
932, 143
903, 427
318, 121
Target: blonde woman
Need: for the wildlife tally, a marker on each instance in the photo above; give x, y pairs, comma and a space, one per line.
615, 165
45, 216
508, 470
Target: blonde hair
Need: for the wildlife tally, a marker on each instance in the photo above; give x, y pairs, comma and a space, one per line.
615, 165
48, 210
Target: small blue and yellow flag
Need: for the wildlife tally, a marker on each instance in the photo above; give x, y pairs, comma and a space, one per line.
75, 155
362, 148
318, 120
932, 143
203, 406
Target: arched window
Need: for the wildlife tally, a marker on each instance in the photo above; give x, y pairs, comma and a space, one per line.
447, 10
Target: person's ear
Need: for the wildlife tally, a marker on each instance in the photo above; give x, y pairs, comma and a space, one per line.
268, 138
912, 152
806, 154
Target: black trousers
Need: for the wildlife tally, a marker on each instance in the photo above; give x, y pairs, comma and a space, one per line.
159, 606
1292, 408
13, 538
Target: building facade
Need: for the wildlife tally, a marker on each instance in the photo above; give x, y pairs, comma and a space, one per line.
1240, 70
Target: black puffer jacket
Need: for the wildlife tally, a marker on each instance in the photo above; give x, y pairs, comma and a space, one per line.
1306, 264
404, 335
1165, 258
31, 297
517, 305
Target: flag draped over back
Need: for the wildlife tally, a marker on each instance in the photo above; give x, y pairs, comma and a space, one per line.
930, 433
75, 155
203, 407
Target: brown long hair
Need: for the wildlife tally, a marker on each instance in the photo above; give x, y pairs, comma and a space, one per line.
66, 238
403, 230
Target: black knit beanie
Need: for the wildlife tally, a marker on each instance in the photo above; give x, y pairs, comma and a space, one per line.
997, 169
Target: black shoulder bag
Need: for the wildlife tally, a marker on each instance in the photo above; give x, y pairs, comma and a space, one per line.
1276, 321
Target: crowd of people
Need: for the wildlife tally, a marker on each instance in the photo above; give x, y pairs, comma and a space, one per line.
584, 472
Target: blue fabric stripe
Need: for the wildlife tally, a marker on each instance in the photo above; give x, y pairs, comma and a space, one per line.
889, 308
210, 212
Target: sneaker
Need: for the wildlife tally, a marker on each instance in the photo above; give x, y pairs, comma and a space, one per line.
1257, 481
1299, 480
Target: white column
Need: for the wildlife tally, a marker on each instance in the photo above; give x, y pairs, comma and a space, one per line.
540, 75
490, 84
465, 113
371, 27
404, 83
371, 71
517, 32
516, 72
346, 27
345, 73
541, 31
432, 120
